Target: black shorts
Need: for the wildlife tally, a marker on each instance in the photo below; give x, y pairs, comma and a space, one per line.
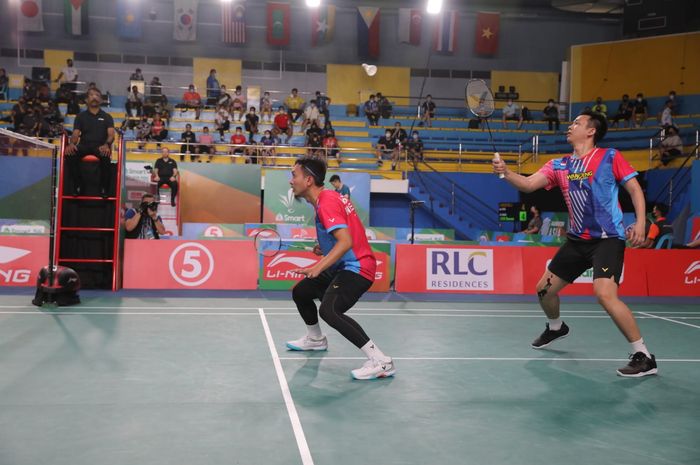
606, 256
348, 283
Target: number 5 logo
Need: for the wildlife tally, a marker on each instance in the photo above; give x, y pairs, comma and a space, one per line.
191, 267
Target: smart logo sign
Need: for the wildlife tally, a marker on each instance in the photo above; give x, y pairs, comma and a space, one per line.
459, 269
191, 264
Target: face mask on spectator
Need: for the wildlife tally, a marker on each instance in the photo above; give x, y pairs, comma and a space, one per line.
387, 135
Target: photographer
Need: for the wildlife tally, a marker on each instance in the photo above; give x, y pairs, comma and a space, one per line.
144, 222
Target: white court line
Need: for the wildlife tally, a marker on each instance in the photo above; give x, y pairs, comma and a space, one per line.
62, 313
498, 359
149, 307
287, 395
651, 315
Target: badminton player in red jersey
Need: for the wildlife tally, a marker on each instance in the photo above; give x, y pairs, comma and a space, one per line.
339, 279
589, 179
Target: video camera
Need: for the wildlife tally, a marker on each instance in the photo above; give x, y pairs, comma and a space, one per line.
146, 205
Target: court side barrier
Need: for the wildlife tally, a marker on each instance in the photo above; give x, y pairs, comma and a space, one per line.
21, 258
516, 270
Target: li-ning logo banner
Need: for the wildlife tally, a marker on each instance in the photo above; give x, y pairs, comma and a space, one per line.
692, 273
459, 269
281, 265
13, 275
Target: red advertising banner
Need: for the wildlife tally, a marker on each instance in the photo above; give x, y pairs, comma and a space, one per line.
461, 269
21, 258
171, 264
695, 229
673, 272
633, 281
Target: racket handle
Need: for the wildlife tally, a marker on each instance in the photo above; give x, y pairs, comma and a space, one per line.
497, 156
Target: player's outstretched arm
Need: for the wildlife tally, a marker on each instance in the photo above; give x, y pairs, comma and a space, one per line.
522, 183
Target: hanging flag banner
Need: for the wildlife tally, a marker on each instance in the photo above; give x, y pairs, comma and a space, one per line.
278, 23
233, 22
445, 32
30, 17
322, 25
185, 20
368, 31
487, 31
75, 17
410, 25
129, 16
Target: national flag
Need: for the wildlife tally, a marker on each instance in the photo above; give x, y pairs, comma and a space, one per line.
129, 16
278, 23
322, 25
410, 25
368, 31
75, 17
233, 22
30, 17
487, 29
185, 20
445, 32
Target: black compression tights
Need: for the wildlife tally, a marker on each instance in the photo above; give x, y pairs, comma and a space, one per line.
338, 292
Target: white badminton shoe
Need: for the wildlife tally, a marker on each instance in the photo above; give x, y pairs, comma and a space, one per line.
373, 369
307, 343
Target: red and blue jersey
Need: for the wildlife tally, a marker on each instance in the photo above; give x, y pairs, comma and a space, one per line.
590, 188
334, 211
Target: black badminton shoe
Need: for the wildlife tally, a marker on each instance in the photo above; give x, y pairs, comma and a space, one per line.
549, 336
638, 366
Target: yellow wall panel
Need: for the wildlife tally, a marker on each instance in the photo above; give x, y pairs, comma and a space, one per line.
652, 66
56, 59
532, 86
345, 83
228, 72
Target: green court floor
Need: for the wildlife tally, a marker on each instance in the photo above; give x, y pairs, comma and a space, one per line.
126, 380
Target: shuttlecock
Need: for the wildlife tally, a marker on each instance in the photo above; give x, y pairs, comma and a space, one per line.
371, 70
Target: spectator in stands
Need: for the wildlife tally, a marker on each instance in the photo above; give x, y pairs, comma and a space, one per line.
19, 109
624, 112
659, 227
267, 151
93, 134
251, 123
323, 103
339, 187
295, 105
386, 146
282, 125
671, 146
239, 141
414, 145
188, 139
372, 110
143, 130
29, 90
136, 75
143, 222
266, 107
158, 130
511, 112
314, 139
384, 105
666, 116
134, 101
535, 224
330, 145
311, 115
327, 127
206, 144
165, 173
223, 121
68, 76
82, 98
674, 102
600, 107
156, 89
52, 122
551, 115
225, 99
238, 103
427, 109
192, 99
4, 85
640, 110
399, 134
213, 88
31, 122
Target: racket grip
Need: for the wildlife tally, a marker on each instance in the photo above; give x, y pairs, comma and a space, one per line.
497, 156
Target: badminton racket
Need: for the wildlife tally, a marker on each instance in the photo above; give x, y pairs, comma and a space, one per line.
268, 243
480, 102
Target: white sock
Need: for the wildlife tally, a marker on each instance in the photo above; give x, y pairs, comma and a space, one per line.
639, 346
372, 351
314, 331
555, 325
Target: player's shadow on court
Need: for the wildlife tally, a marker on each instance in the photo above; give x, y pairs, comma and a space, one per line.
333, 384
575, 402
